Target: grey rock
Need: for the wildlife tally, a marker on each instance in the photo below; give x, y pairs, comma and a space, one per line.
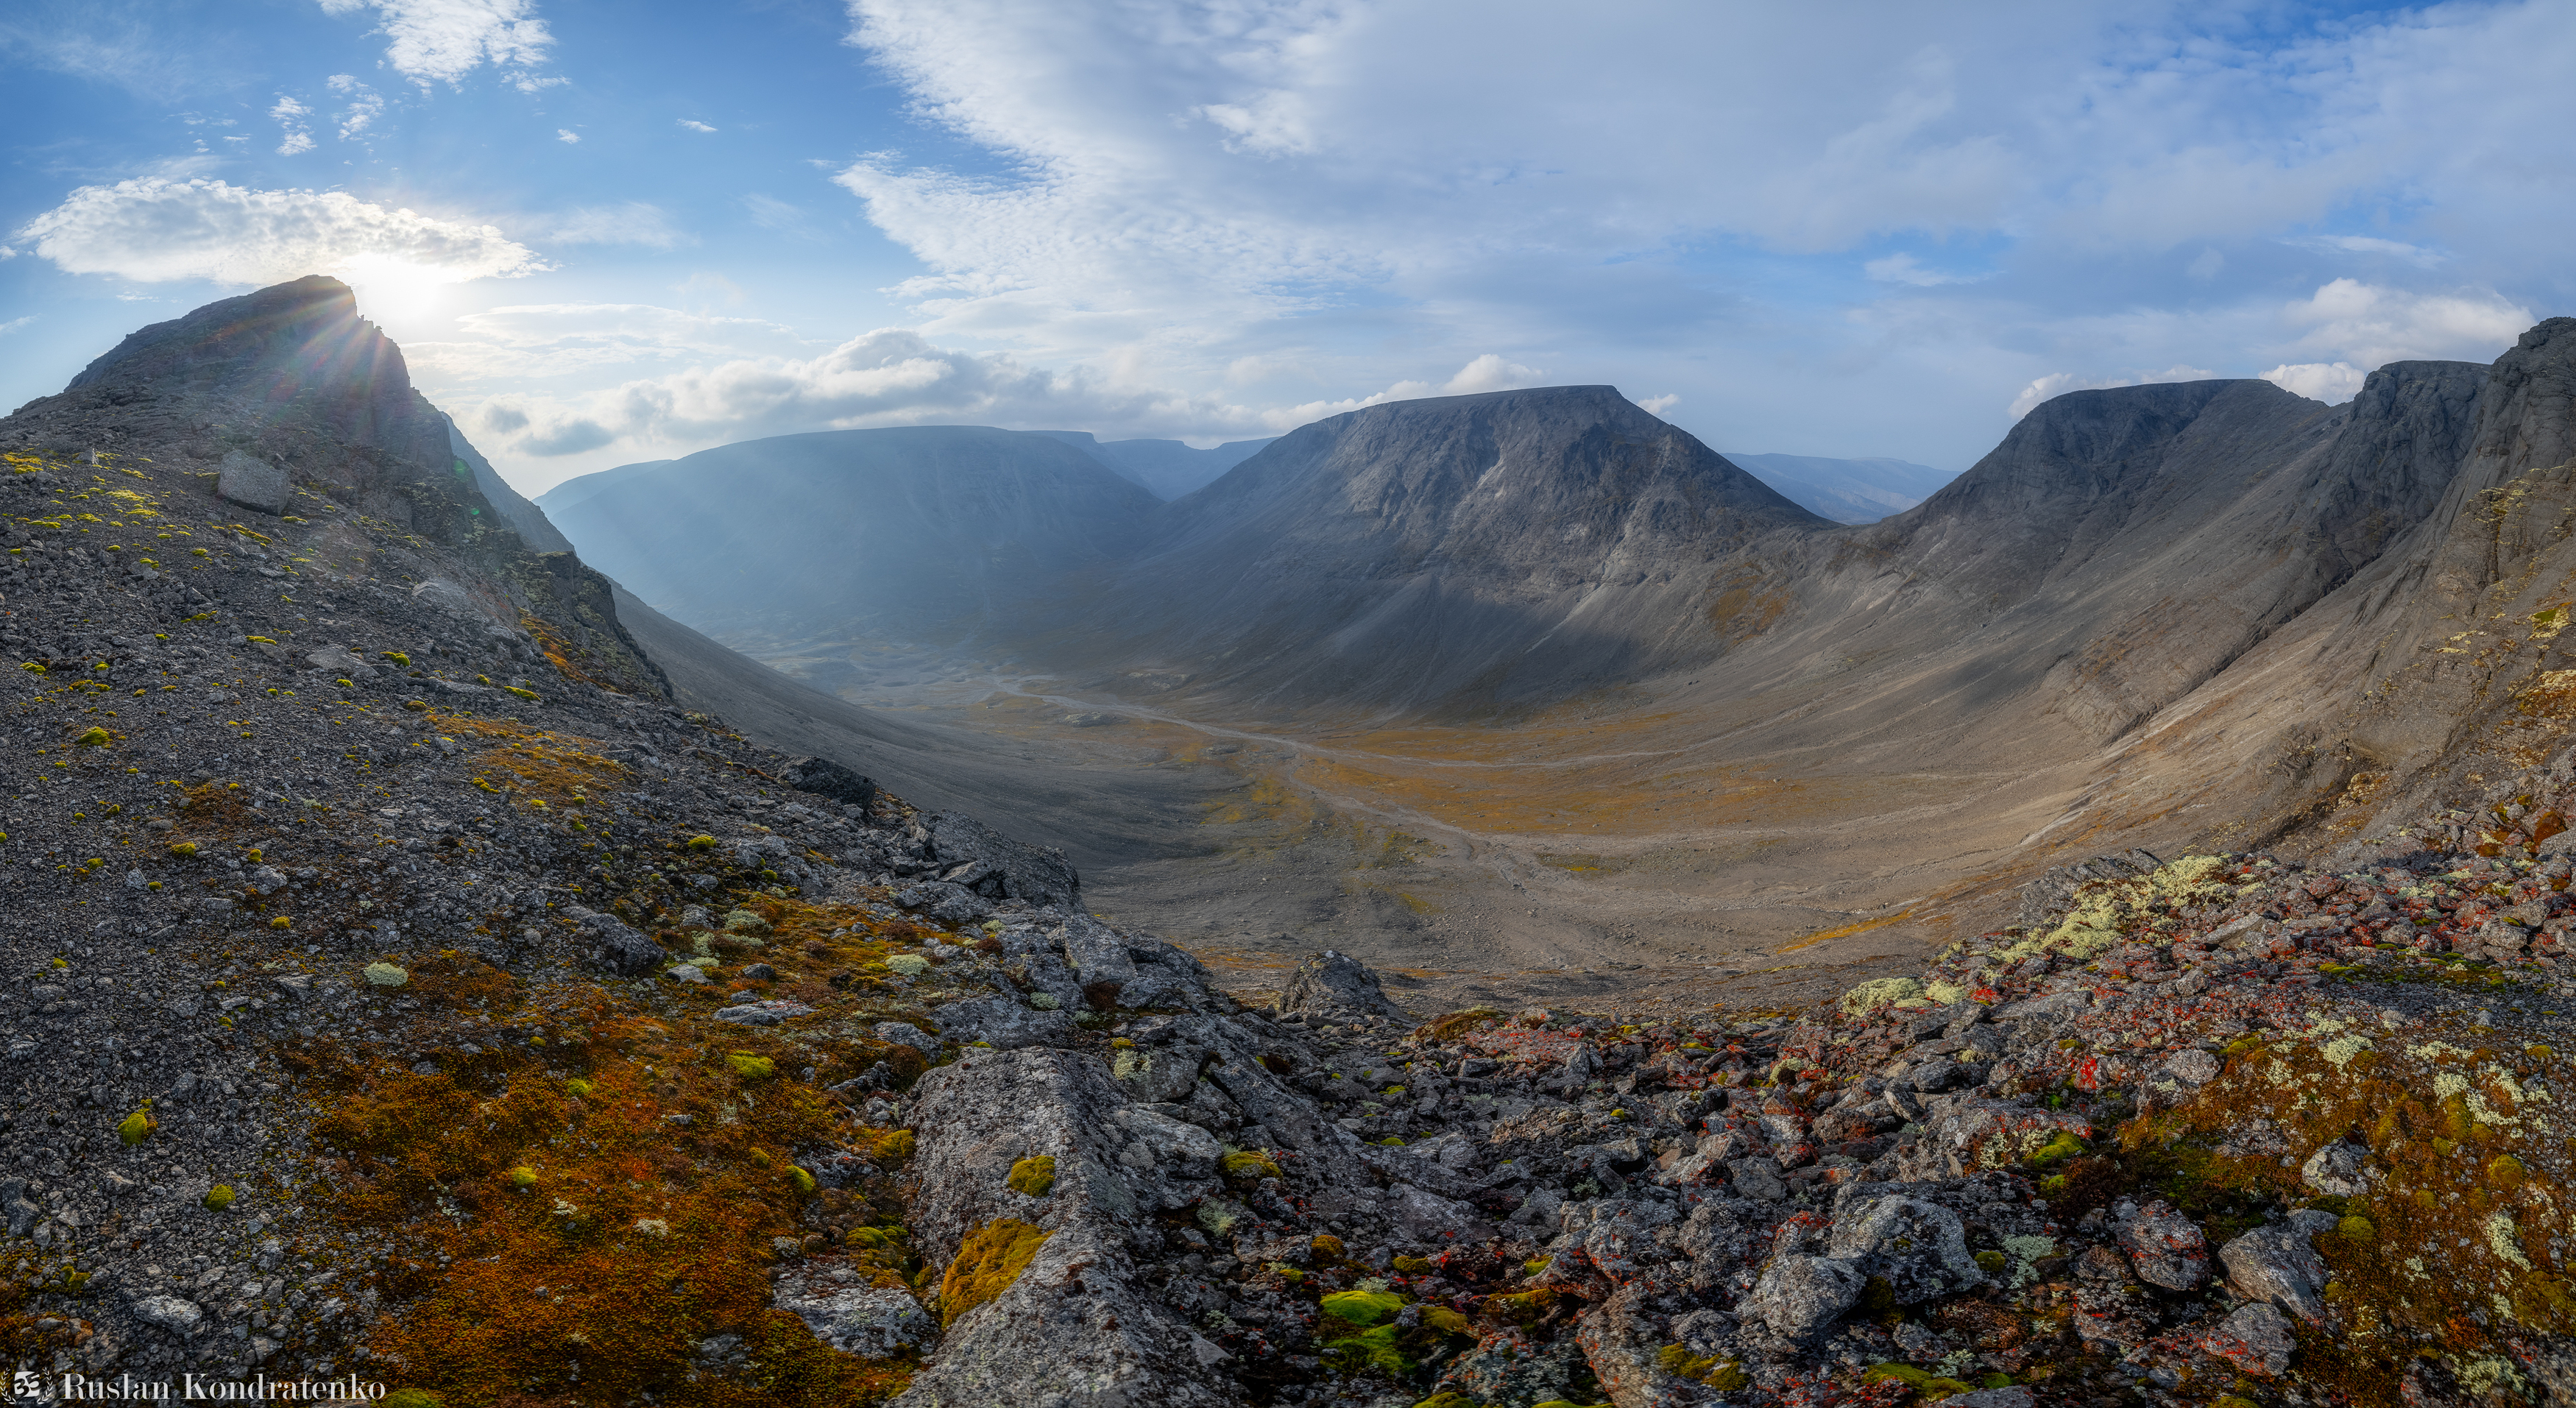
1003, 1022
825, 778
1157, 1141
869, 1322
767, 1013
1757, 1178
949, 904
1920, 1247
2257, 1337
2166, 1248
906, 1034
1000, 868
2279, 1265
252, 482
1334, 986
341, 661
2190, 1069
171, 1313
615, 944
2335, 1169
1800, 1297
2013, 1397
1075, 1326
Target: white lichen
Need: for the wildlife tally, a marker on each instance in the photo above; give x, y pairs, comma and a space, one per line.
2505, 1240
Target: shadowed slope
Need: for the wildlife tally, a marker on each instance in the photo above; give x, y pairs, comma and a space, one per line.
928, 533
1461, 552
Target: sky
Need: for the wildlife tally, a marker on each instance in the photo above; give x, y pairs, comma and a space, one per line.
606, 231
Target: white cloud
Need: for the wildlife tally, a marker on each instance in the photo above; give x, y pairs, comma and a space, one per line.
1657, 405
363, 105
694, 125
2057, 384
2370, 324
290, 116
2331, 382
1486, 373
16, 323
441, 41
2365, 244
566, 134
1905, 269
629, 222
153, 230
522, 342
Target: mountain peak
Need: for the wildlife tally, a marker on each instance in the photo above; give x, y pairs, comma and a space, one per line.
291, 352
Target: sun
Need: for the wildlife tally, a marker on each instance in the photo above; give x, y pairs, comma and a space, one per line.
395, 290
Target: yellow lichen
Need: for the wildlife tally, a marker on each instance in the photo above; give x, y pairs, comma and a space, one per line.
1034, 1175
988, 1261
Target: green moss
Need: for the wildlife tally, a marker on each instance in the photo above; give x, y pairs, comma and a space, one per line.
94, 738
803, 1180
137, 1127
1372, 1349
702, 843
1250, 1167
751, 1067
988, 1261
1034, 1175
2057, 1151
219, 1197
410, 1398
1362, 1307
1412, 1265
1992, 1263
521, 1177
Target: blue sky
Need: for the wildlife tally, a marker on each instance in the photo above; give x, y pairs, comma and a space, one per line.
606, 232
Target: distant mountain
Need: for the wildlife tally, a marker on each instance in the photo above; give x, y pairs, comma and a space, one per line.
1166, 468
1466, 550
1846, 491
574, 490
926, 532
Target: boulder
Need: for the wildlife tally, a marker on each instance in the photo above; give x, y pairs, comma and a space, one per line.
1077, 1323
1921, 1248
1334, 987
2279, 1264
825, 778
1800, 1297
252, 482
976, 856
2165, 1247
615, 944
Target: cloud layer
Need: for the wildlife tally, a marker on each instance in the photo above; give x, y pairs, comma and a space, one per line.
154, 230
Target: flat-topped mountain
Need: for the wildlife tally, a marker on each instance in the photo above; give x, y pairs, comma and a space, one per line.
928, 532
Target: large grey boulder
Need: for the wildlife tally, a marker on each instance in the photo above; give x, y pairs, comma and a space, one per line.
2279, 1265
1078, 1326
252, 482
1920, 1247
1800, 1297
1335, 987
991, 864
825, 778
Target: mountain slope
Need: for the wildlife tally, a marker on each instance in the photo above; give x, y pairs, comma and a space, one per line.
1846, 491
1465, 551
927, 532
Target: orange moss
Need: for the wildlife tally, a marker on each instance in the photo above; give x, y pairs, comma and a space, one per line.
638, 1236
